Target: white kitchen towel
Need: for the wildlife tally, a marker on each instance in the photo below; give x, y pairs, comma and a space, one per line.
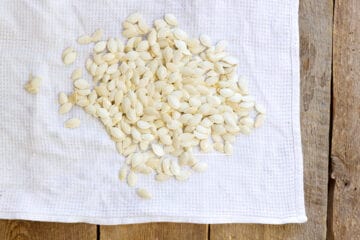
50, 173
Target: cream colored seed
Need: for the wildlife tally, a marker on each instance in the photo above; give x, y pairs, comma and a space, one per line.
143, 169
171, 19
97, 35
226, 92
112, 68
136, 159
103, 113
243, 85
247, 121
152, 161
81, 84
231, 60
205, 40
76, 74
143, 193
160, 23
143, 27
33, 85
142, 46
199, 136
173, 101
229, 138
30, 88
260, 108
219, 146
184, 158
142, 124
192, 161
100, 46
69, 58
245, 129
165, 139
162, 177
183, 175
144, 145
134, 18
236, 98
147, 137
205, 145
90, 109
259, 120
217, 118
175, 168
166, 163
246, 104
67, 51
158, 149
117, 133
132, 179
228, 148
112, 45
72, 123
136, 135
200, 167
123, 173
180, 34
62, 98
83, 92
221, 46
130, 32
84, 39
108, 57
65, 108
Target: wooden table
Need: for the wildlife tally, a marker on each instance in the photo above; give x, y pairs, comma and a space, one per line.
330, 120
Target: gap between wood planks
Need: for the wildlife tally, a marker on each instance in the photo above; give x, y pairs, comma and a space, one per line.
331, 181
208, 231
98, 232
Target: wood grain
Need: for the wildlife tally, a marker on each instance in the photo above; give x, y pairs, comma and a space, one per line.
155, 231
316, 53
345, 154
29, 230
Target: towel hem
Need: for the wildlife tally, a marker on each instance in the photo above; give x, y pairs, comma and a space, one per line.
147, 219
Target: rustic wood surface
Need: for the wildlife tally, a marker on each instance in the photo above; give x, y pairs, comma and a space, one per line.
28, 230
344, 214
171, 231
329, 50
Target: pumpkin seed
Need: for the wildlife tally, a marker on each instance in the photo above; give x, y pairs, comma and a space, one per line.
72, 123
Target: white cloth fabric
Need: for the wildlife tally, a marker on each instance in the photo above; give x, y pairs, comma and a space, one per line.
50, 173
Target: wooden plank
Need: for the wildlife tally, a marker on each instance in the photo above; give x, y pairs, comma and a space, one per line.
344, 211
316, 43
158, 231
29, 230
